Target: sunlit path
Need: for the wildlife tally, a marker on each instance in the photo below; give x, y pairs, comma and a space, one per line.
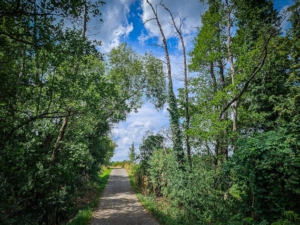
119, 205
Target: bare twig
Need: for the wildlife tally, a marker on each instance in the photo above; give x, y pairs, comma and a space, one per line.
149, 20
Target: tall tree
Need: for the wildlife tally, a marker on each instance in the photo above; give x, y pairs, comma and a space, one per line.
178, 29
174, 115
132, 154
209, 58
228, 62
253, 28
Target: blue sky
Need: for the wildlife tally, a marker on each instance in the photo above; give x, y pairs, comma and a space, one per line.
124, 22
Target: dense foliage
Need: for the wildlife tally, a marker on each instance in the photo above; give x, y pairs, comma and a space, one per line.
244, 123
58, 102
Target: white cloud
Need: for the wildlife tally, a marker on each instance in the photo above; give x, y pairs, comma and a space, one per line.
190, 12
115, 27
135, 127
143, 38
126, 141
122, 31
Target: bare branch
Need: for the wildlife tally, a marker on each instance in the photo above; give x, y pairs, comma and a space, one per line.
164, 42
149, 20
187, 114
157, 45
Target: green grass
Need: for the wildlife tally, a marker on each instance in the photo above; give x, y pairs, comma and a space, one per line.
84, 215
157, 209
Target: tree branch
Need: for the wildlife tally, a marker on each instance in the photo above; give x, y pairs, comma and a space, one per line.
149, 20
254, 72
16, 39
60, 137
34, 118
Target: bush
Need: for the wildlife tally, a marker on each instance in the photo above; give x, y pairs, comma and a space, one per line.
194, 196
258, 185
119, 164
265, 171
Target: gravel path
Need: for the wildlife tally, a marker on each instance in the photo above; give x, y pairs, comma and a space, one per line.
119, 205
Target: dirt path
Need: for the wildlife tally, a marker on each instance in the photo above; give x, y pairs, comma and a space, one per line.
119, 205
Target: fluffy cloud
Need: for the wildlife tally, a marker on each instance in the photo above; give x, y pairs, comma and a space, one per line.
135, 127
143, 38
115, 27
190, 12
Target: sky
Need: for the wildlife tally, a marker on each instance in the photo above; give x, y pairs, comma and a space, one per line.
124, 22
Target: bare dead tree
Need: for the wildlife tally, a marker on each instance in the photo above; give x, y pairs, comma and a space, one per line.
165, 46
186, 91
174, 115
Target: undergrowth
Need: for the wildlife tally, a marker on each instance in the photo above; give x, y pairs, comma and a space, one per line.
149, 202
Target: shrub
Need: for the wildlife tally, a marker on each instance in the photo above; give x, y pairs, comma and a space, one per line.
266, 175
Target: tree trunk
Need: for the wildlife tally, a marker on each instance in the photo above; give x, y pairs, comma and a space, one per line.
213, 76
186, 91
231, 63
85, 17
59, 139
174, 115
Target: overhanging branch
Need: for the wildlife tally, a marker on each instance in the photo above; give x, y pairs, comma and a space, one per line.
254, 72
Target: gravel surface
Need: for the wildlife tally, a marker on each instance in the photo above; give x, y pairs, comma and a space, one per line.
119, 205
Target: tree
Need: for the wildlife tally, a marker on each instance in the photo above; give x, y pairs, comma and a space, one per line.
225, 87
136, 76
186, 91
253, 27
174, 115
132, 154
150, 143
209, 59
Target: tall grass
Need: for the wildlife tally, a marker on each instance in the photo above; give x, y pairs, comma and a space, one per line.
149, 202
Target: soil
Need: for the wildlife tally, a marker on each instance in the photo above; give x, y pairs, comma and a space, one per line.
119, 205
